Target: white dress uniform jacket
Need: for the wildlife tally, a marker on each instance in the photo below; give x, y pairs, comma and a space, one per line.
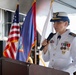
61, 53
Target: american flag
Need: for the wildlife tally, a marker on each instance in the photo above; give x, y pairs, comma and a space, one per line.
14, 34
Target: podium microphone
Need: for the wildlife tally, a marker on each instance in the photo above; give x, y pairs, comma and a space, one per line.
48, 39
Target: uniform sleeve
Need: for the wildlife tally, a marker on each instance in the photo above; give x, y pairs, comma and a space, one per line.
73, 51
72, 67
46, 57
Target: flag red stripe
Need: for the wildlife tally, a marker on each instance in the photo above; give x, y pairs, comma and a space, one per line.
14, 32
11, 52
13, 39
13, 46
17, 27
7, 46
5, 54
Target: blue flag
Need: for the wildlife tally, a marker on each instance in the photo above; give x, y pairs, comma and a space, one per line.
28, 35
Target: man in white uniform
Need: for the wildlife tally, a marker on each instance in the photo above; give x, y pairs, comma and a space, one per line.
60, 51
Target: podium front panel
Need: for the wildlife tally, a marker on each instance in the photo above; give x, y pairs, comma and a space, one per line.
40, 70
12, 67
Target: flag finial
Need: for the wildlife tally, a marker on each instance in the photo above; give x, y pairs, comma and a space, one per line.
17, 1
51, 2
34, 0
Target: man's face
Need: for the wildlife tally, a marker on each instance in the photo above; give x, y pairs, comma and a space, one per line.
60, 26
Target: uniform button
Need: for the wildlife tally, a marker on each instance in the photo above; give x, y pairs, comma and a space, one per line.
52, 60
53, 54
52, 67
54, 48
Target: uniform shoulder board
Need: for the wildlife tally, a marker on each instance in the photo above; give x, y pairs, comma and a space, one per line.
72, 34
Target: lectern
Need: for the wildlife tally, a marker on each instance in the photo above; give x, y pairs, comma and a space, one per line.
14, 67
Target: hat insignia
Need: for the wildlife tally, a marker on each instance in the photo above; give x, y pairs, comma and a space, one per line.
57, 14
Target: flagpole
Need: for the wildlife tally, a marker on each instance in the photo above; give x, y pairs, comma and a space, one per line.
35, 47
52, 1
34, 0
44, 33
35, 52
17, 1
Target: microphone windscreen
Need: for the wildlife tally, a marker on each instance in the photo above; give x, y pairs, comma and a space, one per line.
50, 36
